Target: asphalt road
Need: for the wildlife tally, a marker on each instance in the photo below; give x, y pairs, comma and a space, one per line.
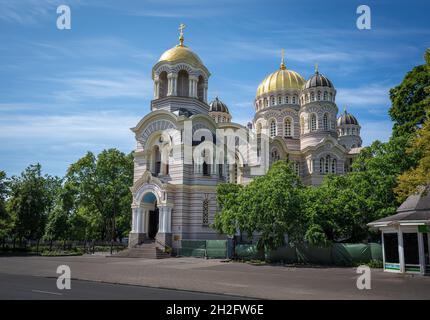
24, 287
184, 278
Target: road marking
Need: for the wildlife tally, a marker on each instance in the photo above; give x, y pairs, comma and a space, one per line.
48, 292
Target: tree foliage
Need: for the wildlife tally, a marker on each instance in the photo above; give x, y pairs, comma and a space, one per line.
99, 187
410, 99
269, 206
5, 218
31, 199
410, 180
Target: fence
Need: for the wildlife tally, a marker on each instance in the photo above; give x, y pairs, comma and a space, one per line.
32, 246
212, 249
340, 254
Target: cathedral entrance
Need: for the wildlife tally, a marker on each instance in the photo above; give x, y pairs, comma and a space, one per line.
153, 220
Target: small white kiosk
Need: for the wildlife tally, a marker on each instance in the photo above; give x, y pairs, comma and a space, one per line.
406, 236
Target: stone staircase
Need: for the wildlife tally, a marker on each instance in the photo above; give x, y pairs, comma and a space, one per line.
146, 250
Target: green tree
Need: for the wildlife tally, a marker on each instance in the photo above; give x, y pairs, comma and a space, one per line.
31, 199
100, 188
6, 224
410, 180
269, 206
58, 226
410, 99
227, 221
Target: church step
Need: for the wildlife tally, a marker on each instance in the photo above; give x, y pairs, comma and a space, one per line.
146, 252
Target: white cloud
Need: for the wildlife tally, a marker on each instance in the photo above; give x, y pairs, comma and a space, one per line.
74, 128
29, 11
365, 96
103, 83
375, 130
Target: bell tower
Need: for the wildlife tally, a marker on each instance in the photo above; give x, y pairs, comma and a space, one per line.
180, 80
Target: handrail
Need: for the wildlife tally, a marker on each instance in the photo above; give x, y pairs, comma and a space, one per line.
164, 245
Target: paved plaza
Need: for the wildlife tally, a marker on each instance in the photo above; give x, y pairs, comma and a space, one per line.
215, 277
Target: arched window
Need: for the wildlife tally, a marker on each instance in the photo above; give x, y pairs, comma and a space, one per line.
325, 95
297, 167
272, 100
347, 131
327, 164
266, 103
183, 84
334, 166
353, 131
313, 122
302, 125
162, 84
294, 99
319, 95
312, 96
279, 100
288, 127
157, 161
331, 96
273, 128
321, 165
286, 99
275, 155
223, 119
205, 169
201, 89
325, 121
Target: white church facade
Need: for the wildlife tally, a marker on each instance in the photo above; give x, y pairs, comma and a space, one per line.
176, 170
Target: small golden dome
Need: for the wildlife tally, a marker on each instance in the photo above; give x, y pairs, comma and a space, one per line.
279, 80
181, 54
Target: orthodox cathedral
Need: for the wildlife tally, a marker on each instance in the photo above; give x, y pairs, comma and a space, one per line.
174, 195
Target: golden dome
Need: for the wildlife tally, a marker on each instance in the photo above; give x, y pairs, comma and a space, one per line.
181, 54
279, 80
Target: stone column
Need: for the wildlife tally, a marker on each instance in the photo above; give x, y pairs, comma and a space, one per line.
156, 88
137, 234
174, 84
164, 235
171, 88
193, 86
205, 93
134, 220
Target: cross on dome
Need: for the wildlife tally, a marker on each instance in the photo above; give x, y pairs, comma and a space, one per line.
181, 34
283, 67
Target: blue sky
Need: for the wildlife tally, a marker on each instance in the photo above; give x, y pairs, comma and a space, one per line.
63, 93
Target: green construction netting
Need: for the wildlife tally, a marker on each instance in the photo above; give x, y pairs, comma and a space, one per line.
376, 251
216, 249
310, 254
283, 254
248, 252
337, 254
193, 248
